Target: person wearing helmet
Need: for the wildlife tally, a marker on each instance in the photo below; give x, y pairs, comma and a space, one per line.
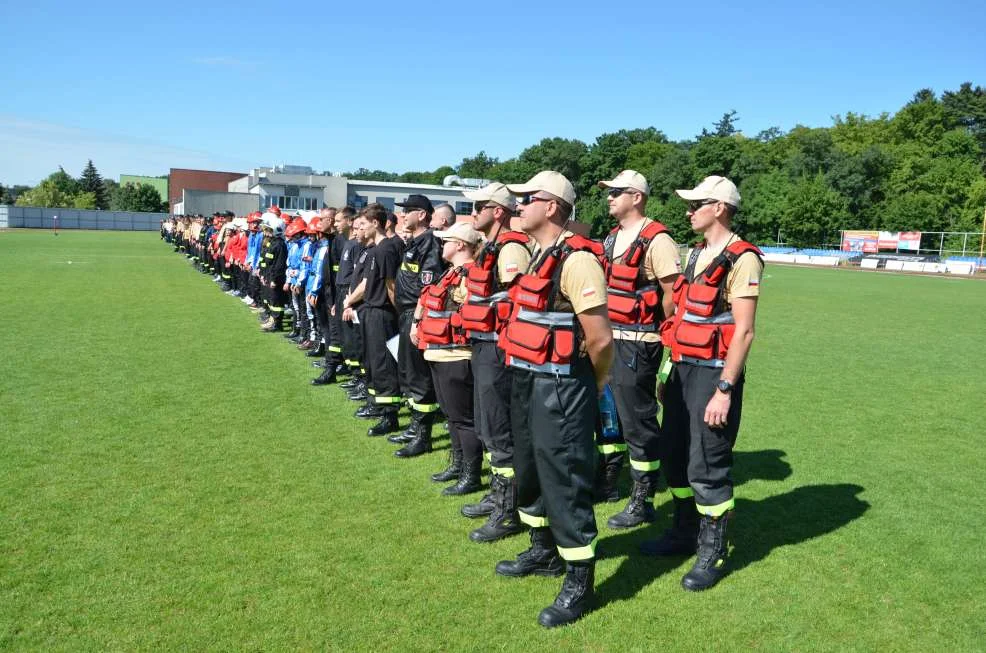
294, 233
324, 347
273, 274
318, 297
313, 335
250, 262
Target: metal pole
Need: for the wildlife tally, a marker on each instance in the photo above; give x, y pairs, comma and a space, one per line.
965, 239
982, 239
941, 244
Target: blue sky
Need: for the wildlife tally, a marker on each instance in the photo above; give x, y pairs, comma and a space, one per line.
143, 87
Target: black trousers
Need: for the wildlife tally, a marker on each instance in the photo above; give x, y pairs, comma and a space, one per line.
352, 342
493, 383
380, 325
321, 315
361, 330
253, 288
416, 382
332, 332
454, 387
634, 385
555, 455
698, 460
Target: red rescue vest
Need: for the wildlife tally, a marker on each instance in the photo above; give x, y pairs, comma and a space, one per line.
488, 306
536, 337
634, 303
703, 325
441, 326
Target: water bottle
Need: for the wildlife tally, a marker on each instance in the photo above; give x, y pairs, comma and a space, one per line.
607, 415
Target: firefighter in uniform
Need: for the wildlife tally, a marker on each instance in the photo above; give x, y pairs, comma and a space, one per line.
643, 263
353, 312
504, 257
437, 330
379, 318
314, 296
709, 336
421, 265
560, 342
273, 272
351, 249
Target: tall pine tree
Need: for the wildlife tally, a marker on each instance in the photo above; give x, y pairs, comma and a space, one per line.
91, 182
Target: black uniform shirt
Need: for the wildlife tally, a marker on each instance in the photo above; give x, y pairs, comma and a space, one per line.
351, 251
382, 263
421, 265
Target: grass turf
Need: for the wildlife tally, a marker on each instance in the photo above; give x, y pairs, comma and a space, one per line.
170, 480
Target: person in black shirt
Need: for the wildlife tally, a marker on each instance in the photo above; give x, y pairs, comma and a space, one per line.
353, 314
421, 265
380, 320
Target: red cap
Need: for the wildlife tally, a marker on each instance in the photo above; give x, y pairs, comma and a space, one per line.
297, 226
276, 210
314, 226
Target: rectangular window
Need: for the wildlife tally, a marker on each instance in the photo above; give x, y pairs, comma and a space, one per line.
388, 202
463, 208
358, 201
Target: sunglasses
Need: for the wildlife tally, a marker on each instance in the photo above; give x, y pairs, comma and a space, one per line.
695, 205
479, 207
616, 192
530, 199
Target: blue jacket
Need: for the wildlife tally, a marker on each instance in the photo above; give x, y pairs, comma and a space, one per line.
307, 247
253, 248
315, 281
294, 261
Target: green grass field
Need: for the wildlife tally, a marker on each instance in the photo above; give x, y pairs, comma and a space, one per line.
170, 481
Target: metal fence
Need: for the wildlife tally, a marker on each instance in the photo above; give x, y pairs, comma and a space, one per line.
32, 217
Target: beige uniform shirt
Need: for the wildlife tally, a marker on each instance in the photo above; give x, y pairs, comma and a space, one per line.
459, 296
512, 261
743, 279
661, 260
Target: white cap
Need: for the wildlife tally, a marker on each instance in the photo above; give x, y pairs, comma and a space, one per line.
495, 192
628, 179
713, 188
460, 231
548, 181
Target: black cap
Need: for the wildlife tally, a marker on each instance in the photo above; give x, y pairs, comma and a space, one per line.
417, 202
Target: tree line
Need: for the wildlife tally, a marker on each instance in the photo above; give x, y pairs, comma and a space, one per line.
88, 191
921, 169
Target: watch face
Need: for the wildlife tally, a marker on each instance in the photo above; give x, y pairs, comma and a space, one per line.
725, 386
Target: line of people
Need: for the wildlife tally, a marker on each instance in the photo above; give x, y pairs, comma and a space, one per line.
513, 336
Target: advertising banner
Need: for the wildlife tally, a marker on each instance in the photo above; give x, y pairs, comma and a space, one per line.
909, 240
860, 241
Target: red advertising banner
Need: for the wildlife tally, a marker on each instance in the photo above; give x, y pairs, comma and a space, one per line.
860, 241
909, 240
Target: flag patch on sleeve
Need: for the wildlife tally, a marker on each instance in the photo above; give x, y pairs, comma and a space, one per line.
588, 292
512, 267
753, 282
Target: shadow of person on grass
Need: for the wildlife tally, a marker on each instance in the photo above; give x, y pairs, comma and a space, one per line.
791, 518
765, 465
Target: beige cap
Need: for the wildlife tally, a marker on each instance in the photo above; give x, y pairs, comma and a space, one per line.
495, 192
550, 182
628, 179
713, 188
460, 231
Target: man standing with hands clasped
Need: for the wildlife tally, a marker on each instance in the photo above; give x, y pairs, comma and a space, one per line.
559, 341
710, 337
644, 263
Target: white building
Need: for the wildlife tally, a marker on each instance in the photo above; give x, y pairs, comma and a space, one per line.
301, 188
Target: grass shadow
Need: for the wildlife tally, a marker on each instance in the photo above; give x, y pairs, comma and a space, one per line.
786, 519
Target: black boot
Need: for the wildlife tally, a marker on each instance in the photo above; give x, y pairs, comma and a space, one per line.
327, 377
421, 443
639, 509
369, 411
483, 508
387, 423
453, 470
541, 559
607, 478
409, 433
710, 565
345, 385
504, 520
576, 598
469, 480
293, 334
682, 537
359, 393
317, 352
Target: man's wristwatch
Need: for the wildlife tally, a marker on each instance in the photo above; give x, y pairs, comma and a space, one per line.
724, 386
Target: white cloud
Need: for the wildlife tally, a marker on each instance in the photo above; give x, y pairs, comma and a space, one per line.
30, 150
